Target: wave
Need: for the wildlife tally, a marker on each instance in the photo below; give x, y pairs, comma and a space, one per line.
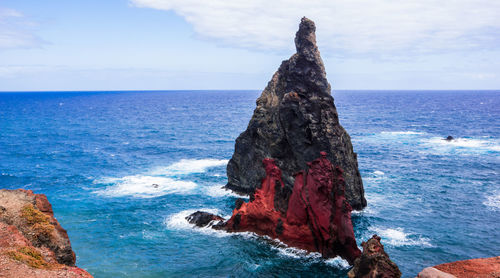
402, 132
493, 201
338, 262
378, 173
301, 254
398, 237
177, 221
463, 144
189, 166
218, 191
144, 186
162, 181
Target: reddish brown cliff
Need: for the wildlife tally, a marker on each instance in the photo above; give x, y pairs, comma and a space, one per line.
314, 216
32, 242
475, 268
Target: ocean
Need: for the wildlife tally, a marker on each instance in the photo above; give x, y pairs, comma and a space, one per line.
96, 155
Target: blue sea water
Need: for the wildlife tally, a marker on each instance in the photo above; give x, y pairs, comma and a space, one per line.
96, 156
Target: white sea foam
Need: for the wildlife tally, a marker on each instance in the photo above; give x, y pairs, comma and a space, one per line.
338, 262
189, 166
296, 253
144, 186
177, 221
218, 191
402, 132
493, 201
467, 144
161, 181
398, 237
378, 173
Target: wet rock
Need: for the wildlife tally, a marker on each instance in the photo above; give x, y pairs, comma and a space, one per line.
202, 219
294, 120
317, 217
374, 262
449, 138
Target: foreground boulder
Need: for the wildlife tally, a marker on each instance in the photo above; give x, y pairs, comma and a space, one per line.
32, 242
374, 262
314, 216
475, 268
294, 120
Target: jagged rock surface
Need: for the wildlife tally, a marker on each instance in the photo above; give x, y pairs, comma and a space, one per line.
32, 242
202, 219
374, 262
294, 120
314, 216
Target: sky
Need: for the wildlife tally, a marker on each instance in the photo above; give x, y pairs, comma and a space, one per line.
61, 45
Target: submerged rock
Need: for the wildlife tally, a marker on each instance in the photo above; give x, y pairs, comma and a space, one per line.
294, 120
32, 242
314, 216
374, 262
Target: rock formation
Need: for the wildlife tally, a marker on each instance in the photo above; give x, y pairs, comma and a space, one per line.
475, 268
32, 243
374, 262
294, 120
314, 216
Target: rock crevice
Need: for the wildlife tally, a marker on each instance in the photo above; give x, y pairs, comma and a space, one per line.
314, 216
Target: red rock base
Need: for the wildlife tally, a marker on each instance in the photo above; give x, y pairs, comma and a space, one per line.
315, 217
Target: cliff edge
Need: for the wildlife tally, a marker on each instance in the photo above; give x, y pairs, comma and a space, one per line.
32, 242
474, 268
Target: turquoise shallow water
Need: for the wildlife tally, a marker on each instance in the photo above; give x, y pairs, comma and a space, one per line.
97, 154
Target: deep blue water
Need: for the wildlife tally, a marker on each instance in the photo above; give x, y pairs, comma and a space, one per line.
97, 154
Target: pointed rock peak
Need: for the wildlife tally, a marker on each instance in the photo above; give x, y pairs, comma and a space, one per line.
305, 38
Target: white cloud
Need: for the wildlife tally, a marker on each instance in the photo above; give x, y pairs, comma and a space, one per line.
345, 26
16, 31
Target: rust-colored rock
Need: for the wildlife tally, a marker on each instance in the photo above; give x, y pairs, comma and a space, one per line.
475, 268
374, 262
32, 242
314, 216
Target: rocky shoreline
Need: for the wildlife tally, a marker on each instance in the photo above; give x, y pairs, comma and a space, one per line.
32, 242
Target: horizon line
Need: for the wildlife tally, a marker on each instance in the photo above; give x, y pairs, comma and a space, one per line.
235, 90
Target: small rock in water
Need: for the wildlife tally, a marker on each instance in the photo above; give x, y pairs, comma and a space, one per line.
449, 138
202, 219
155, 185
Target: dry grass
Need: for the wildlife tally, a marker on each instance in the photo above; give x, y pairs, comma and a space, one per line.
31, 257
38, 221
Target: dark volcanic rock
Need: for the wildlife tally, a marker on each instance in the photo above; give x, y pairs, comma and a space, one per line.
315, 216
294, 120
202, 219
374, 262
